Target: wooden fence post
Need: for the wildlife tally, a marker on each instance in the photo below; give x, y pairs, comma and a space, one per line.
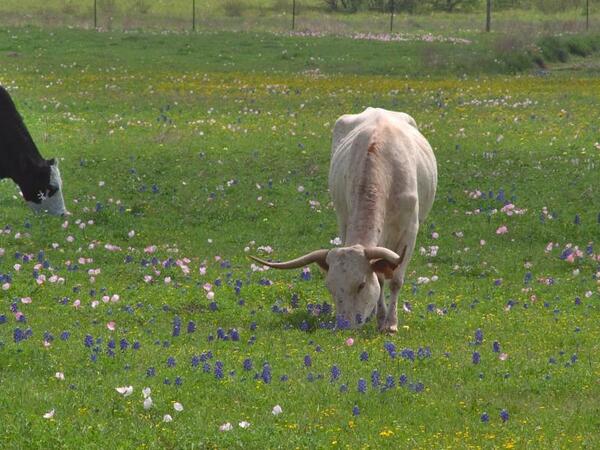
392, 15
488, 16
95, 14
193, 15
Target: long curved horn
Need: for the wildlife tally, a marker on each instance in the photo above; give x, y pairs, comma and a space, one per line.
317, 256
385, 253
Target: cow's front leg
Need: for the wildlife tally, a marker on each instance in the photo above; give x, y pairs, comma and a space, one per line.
381, 308
390, 323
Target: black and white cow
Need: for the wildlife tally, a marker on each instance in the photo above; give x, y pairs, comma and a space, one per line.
20, 160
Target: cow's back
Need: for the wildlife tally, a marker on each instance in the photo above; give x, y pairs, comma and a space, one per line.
406, 167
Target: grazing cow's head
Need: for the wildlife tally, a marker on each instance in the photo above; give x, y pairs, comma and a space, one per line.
352, 277
43, 189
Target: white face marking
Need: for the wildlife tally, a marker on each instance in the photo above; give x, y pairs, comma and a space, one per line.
55, 204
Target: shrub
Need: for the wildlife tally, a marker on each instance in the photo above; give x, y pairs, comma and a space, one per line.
233, 8
554, 49
580, 45
514, 53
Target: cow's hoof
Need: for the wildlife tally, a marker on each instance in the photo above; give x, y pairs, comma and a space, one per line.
390, 329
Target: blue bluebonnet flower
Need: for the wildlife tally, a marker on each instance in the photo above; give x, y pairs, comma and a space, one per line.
355, 410
136, 345
304, 326
389, 382
478, 336
504, 415
266, 373
310, 377
423, 353
391, 349
206, 367
93, 357
402, 380
195, 361
218, 370
364, 356
496, 347
294, 300
170, 361
375, 378
307, 361
65, 335
220, 333
362, 386
18, 335
407, 353
247, 364
305, 274
123, 344
335, 373
577, 220
283, 378
342, 323
191, 327
344, 388
476, 357
417, 387
2, 319
88, 341
150, 372
485, 418
235, 335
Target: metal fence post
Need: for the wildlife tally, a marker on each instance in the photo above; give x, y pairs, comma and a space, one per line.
293, 14
587, 15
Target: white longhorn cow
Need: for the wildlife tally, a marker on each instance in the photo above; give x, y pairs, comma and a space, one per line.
382, 179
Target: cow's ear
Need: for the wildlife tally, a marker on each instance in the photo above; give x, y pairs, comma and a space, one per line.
383, 267
52, 162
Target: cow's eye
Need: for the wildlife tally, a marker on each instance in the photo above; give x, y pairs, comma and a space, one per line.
360, 286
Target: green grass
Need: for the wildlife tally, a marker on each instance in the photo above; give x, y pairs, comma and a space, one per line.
226, 138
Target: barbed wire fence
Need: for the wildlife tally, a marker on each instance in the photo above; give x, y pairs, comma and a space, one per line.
279, 15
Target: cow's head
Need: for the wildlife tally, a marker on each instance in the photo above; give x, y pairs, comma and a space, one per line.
353, 275
42, 189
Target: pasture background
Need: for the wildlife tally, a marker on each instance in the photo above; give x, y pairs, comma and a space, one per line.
205, 144
522, 18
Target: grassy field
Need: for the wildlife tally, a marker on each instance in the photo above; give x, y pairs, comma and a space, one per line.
181, 154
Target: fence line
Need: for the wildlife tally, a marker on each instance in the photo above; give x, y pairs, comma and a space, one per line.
158, 14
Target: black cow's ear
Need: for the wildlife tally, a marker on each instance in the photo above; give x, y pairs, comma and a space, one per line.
51, 162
